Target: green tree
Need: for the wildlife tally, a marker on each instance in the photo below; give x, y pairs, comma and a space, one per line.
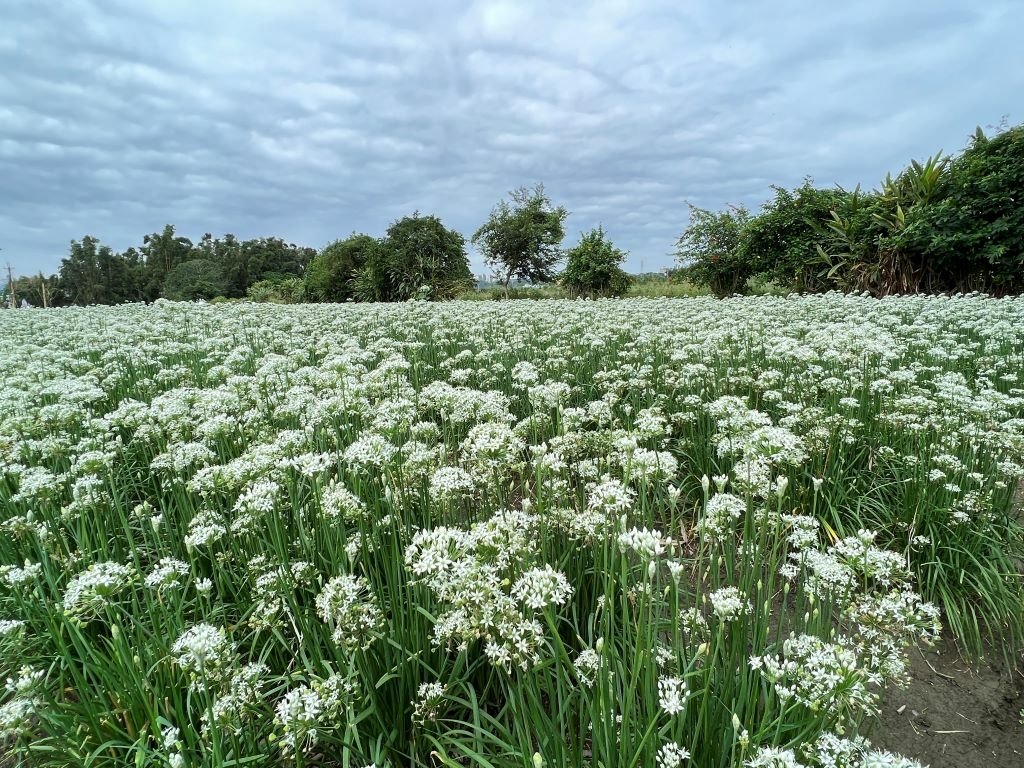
522, 240
331, 274
593, 267
162, 252
265, 258
193, 280
709, 249
417, 253
225, 251
93, 274
38, 290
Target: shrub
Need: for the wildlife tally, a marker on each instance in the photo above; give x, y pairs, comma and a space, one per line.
593, 267
417, 251
193, 280
781, 244
332, 272
278, 290
973, 234
709, 249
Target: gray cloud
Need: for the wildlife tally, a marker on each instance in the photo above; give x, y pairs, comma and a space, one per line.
311, 119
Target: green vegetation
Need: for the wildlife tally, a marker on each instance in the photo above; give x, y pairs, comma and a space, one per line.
947, 224
711, 243
194, 279
593, 267
419, 258
332, 272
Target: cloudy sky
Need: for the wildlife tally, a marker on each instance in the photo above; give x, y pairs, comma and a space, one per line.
310, 119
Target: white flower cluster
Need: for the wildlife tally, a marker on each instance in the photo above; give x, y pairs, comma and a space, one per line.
350, 609
17, 712
471, 572
306, 710
535, 465
205, 653
820, 675
729, 604
90, 592
672, 695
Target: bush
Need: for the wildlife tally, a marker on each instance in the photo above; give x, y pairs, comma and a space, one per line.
417, 251
593, 267
709, 249
279, 290
781, 243
332, 273
973, 234
196, 279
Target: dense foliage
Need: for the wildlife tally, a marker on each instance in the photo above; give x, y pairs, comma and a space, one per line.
781, 242
421, 258
611, 533
945, 224
594, 267
975, 225
194, 279
166, 265
417, 257
332, 272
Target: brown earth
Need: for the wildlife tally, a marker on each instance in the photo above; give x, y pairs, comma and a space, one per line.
953, 714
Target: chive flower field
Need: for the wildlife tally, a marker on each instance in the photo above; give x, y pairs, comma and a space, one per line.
596, 534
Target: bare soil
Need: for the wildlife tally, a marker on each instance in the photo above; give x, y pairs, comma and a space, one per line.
953, 715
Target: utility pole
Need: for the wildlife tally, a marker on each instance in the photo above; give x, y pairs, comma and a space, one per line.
42, 290
13, 300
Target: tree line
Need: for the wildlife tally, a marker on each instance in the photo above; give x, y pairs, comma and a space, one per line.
165, 265
947, 224
418, 257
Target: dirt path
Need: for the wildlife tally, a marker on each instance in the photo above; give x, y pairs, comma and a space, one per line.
951, 716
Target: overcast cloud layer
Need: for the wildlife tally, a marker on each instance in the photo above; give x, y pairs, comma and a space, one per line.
309, 119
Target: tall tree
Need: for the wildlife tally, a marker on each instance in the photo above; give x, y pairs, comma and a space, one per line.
522, 239
226, 252
83, 273
162, 252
